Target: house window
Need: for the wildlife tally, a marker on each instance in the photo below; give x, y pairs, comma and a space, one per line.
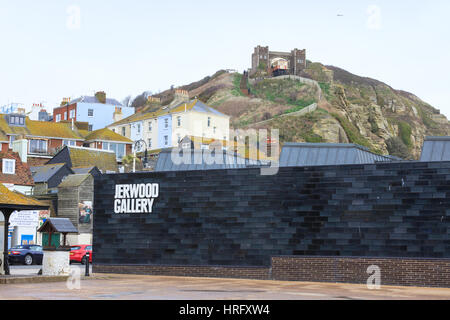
150, 126
70, 143
72, 114
166, 140
16, 120
179, 121
9, 166
64, 115
209, 122
58, 118
123, 131
91, 127
38, 146
90, 112
214, 129
166, 123
138, 128
149, 143
118, 148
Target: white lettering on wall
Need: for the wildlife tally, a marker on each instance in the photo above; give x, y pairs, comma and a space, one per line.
135, 198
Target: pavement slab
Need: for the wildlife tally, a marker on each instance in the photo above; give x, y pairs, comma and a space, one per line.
141, 287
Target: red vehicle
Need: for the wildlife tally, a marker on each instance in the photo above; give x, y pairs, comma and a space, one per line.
78, 253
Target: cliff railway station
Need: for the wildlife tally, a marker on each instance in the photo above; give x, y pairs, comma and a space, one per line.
330, 213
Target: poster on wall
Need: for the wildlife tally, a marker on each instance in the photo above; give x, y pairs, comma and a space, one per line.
24, 219
43, 216
85, 209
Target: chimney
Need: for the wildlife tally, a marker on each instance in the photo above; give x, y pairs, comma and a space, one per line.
101, 96
21, 147
118, 115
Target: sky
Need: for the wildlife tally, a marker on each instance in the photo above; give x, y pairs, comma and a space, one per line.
55, 49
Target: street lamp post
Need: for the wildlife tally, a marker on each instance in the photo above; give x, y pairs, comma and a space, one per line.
138, 145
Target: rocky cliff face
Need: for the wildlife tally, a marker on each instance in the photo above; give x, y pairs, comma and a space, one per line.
351, 109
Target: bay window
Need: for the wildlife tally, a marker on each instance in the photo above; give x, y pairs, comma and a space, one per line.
118, 148
38, 146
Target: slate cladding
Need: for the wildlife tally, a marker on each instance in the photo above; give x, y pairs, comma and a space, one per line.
236, 217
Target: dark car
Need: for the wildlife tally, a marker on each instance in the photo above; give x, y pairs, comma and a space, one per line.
26, 254
78, 253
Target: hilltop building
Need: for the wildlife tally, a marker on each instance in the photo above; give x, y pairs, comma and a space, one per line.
98, 111
275, 62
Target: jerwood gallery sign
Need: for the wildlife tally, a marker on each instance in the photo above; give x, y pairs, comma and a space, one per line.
135, 198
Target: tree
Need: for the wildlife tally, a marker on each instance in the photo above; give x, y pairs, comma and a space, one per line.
127, 101
127, 162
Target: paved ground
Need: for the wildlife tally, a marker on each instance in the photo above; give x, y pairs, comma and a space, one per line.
133, 287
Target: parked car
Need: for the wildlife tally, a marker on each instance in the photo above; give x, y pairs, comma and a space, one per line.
25, 254
78, 253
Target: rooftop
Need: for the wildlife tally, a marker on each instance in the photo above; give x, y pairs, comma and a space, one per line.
74, 180
42, 174
318, 154
436, 149
203, 160
90, 99
106, 135
85, 157
40, 129
22, 174
18, 201
192, 105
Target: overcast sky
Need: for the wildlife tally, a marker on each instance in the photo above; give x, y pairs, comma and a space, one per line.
55, 49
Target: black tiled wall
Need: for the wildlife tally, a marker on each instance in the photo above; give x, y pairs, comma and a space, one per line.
240, 218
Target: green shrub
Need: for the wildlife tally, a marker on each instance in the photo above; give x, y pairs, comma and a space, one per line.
404, 132
353, 134
236, 90
396, 147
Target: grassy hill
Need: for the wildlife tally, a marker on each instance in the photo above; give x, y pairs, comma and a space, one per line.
350, 109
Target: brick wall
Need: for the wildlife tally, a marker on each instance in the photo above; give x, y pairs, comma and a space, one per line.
257, 273
393, 271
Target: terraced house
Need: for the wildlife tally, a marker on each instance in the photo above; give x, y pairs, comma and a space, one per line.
38, 141
167, 126
98, 111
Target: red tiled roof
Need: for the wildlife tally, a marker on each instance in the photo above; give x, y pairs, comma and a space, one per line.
22, 176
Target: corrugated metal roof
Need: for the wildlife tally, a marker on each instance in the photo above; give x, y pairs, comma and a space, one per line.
436, 149
321, 154
201, 160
